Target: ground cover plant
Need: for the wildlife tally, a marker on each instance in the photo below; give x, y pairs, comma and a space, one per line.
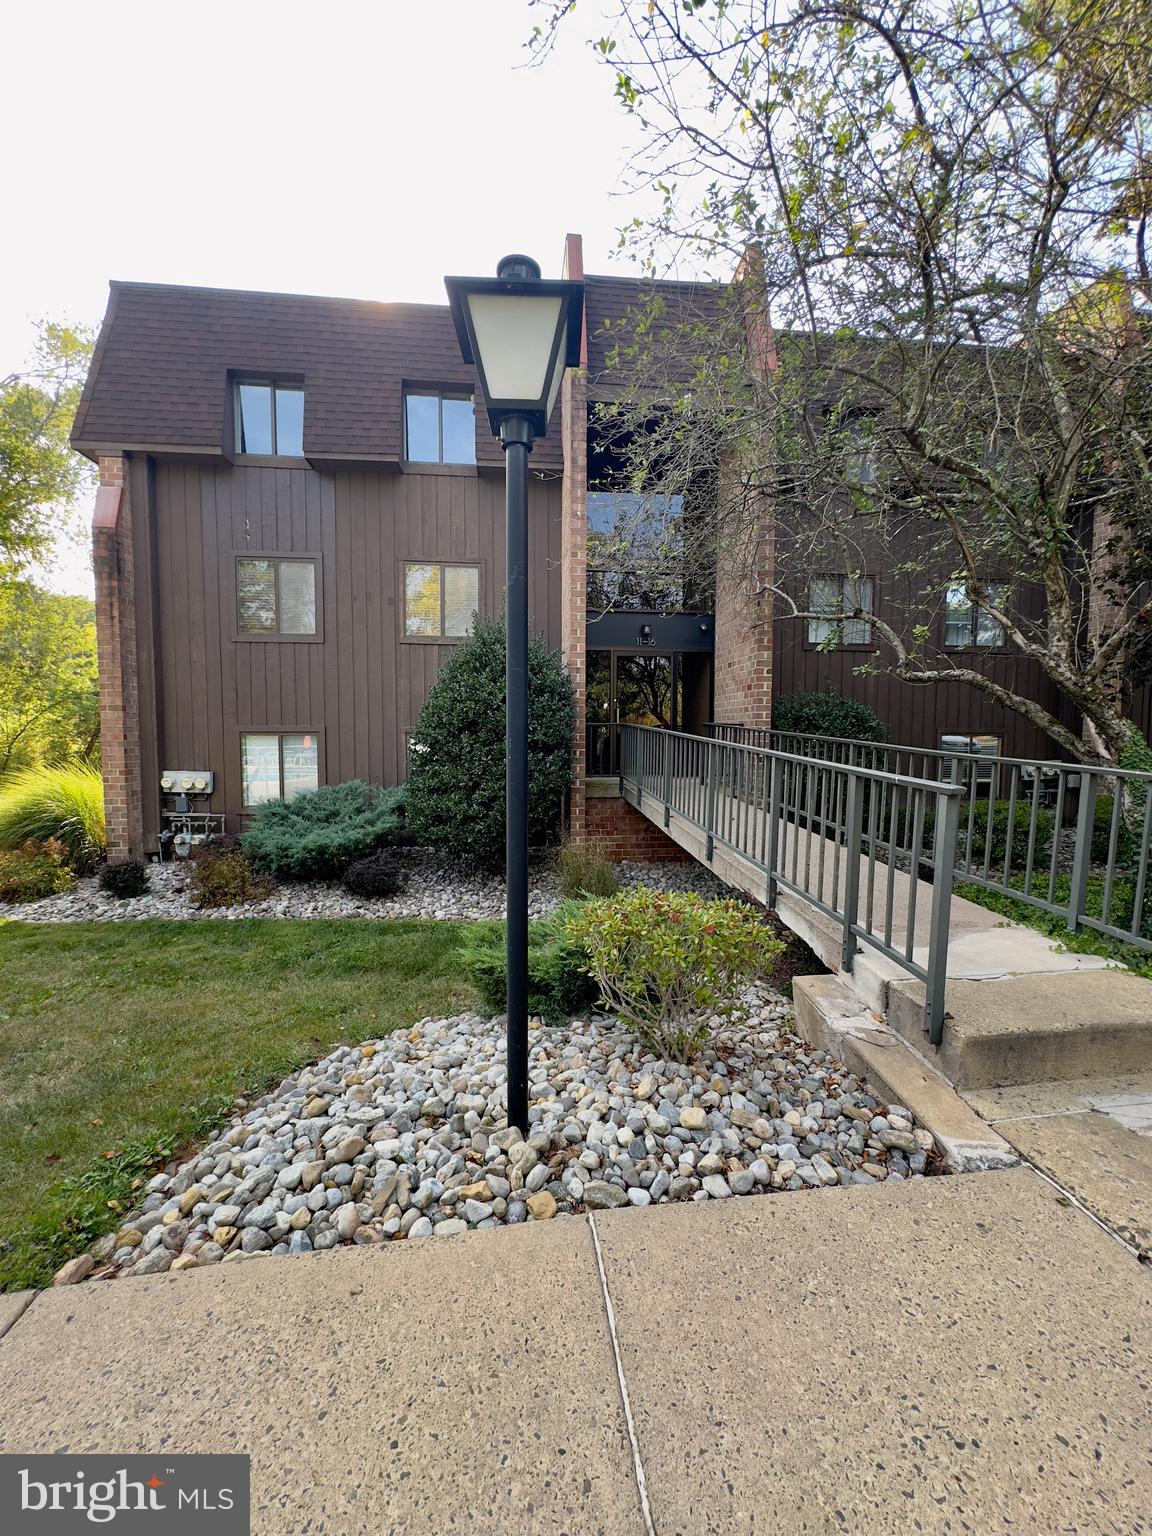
121, 1043
315, 836
559, 986
666, 962
65, 804
1088, 942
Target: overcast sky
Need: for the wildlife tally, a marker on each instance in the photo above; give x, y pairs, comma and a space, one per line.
357, 148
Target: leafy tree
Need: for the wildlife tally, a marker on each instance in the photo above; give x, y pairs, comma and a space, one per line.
39, 473
942, 211
49, 705
456, 793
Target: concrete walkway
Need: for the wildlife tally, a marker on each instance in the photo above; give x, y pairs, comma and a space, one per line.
963, 1354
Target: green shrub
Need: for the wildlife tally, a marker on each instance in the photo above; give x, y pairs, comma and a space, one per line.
456, 781
224, 877
1127, 834
125, 878
1045, 825
34, 871
559, 985
667, 962
316, 835
582, 869
375, 876
827, 714
65, 804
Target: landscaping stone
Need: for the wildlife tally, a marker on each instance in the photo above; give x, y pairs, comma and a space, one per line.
434, 887
611, 1126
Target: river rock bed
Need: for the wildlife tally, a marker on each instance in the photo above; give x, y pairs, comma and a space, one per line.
404, 1138
434, 887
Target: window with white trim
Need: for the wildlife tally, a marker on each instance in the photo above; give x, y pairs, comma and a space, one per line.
278, 765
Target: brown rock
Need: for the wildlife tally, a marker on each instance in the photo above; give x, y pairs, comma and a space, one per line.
75, 1270
541, 1205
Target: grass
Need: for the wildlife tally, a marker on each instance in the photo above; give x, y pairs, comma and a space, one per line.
120, 1043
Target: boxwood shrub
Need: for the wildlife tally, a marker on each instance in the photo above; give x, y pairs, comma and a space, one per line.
827, 714
124, 878
316, 835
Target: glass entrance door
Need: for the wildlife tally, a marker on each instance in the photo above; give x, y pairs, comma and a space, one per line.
632, 688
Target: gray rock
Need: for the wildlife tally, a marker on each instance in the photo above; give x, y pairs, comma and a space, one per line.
600, 1196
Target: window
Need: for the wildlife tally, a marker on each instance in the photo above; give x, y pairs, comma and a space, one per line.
439, 428
966, 624
861, 449
275, 597
835, 595
439, 599
278, 766
980, 747
270, 419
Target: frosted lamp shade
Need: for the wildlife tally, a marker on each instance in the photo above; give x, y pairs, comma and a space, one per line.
515, 337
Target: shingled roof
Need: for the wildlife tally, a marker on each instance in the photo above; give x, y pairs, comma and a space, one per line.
159, 378
611, 303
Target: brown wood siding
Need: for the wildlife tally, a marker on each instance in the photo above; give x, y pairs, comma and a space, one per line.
918, 714
361, 686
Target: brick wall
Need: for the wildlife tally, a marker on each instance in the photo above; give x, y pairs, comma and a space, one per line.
621, 832
112, 559
744, 606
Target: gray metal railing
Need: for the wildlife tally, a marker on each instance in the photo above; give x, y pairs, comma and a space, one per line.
1072, 840
848, 838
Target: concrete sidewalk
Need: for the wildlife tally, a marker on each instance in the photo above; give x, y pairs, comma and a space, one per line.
963, 1354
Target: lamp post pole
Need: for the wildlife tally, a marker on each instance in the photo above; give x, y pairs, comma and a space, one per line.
516, 440
521, 332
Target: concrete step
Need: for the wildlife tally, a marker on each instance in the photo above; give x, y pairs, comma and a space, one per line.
832, 1017
1033, 1028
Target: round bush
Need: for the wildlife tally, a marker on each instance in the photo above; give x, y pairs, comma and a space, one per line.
125, 879
456, 781
669, 962
376, 876
827, 714
315, 836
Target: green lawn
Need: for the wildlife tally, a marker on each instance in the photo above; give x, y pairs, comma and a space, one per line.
121, 1042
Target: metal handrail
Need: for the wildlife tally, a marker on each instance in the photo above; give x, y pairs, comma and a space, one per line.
835, 834
1021, 852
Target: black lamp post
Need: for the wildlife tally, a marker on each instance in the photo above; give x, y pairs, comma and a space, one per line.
521, 332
